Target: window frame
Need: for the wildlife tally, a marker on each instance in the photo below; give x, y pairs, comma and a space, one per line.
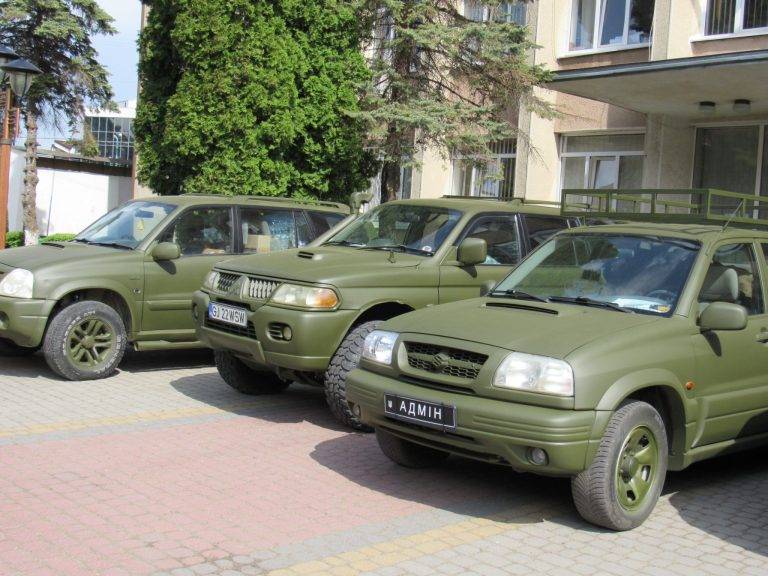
738, 24
617, 154
597, 32
523, 218
519, 230
234, 218
240, 220
488, 7
458, 158
758, 258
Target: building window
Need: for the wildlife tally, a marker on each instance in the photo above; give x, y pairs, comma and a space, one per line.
605, 161
113, 136
604, 23
513, 12
732, 158
496, 179
735, 16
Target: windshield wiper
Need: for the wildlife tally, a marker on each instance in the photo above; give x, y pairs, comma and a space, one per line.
518, 295
109, 245
400, 248
338, 243
584, 301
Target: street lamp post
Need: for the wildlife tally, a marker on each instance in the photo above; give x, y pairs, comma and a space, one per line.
16, 77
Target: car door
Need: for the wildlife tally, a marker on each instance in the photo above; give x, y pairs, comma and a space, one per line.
205, 236
501, 232
732, 366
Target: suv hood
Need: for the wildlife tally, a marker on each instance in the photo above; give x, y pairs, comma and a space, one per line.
339, 266
553, 330
36, 258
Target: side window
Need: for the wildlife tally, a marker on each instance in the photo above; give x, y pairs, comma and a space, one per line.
540, 228
324, 221
500, 233
303, 229
202, 231
733, 276
267, 229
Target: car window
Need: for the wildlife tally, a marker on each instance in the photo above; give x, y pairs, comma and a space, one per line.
733, 277
126, 225
540, 228
267, 229
500, 234
205, 230
304, 232
324, 221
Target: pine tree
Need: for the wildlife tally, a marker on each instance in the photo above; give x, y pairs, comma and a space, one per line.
243, 97
445, 74
55, 35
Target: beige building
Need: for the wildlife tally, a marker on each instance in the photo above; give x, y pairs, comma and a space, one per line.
664, 94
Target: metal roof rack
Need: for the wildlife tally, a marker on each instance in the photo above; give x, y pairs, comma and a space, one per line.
308, 201
686, 206
514, 200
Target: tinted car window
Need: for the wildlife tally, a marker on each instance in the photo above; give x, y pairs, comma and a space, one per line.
500, 234
324, 221
540, 228
267, 229
202, 231
733, 277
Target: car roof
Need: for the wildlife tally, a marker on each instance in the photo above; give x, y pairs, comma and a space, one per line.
479, 205
271, 201
701, 232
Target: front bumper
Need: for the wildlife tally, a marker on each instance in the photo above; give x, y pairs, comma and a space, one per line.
315, 335
23, 321
486, 429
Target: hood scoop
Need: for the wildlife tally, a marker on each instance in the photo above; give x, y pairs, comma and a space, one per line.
306, 255
53, 245
516, 306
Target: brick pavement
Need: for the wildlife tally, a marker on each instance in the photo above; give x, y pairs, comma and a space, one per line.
163, 469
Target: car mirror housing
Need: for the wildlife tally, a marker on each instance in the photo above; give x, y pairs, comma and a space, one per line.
166, 251
723, 316
472, 251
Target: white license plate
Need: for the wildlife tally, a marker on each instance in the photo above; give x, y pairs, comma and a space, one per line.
228, 314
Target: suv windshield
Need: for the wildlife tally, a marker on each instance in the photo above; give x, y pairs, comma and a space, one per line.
126, 226
402, 227
621, 272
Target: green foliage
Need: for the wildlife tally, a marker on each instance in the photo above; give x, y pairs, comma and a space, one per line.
55, 35
14, 239
243, 97
444, 79
58, 237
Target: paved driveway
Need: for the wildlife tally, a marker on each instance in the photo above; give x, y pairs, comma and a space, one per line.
164, 469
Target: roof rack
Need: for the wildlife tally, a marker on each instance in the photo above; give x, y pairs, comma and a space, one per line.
685, 206
515, 200
309, 201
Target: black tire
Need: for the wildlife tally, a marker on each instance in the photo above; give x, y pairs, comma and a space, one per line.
245, 379
407, 453
109, 345
9, 349
343, 362
596, 491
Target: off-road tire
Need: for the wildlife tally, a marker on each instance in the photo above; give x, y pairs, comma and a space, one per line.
245, 379
9, 349
595, 490
343, 362
57, 344
408, 454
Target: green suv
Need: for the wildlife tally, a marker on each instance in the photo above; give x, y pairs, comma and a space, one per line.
609, 355
129, 277
304, 314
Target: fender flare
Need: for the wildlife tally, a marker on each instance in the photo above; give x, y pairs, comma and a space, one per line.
103, 284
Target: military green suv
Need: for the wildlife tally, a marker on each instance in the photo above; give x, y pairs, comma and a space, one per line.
609, 355
303, 314
129, 277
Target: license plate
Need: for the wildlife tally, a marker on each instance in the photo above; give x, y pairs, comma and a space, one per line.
228, 314
420, 411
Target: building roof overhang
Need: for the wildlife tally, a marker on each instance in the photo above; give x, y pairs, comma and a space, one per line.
675, 87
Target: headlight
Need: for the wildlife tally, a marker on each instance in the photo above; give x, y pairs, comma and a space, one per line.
17, 284
378, 346
305, 296
532, 373
211, 280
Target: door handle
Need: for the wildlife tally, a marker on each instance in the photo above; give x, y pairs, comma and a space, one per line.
762, 336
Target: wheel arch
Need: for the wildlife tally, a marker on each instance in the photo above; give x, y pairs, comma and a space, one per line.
109, 294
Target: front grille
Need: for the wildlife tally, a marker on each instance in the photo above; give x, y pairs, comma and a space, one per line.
260, 289
226, 280
247, 331
443, 360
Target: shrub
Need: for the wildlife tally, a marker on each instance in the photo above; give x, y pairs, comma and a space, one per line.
60, 237
14, 239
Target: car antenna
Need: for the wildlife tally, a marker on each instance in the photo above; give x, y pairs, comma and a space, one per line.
730, 219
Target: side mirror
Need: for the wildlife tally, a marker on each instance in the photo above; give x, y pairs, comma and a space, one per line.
472, 251
723, 316
357, 199
166, 251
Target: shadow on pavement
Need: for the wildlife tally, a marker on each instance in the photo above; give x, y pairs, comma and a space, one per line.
726, 497
299, 403
135, 362
33, 366
459, 485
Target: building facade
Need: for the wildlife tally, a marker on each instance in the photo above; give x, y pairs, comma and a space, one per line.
650, 94
112, 131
